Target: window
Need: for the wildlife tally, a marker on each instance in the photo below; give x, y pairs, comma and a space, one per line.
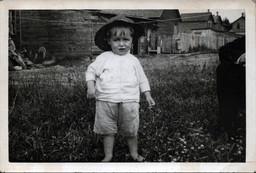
238, 26
209, 24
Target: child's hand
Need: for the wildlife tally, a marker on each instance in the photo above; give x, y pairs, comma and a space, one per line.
91, 90
151, 102
91, 93
149, 99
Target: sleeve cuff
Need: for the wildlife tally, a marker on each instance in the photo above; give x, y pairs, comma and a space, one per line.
90, 76
144, 87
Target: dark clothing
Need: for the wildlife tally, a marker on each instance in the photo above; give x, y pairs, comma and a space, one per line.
231, 84
231, 94
229, 53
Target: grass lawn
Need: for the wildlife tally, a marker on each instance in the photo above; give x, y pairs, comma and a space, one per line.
51, 120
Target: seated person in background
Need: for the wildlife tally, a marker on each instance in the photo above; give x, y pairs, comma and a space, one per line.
15, 60
231, 85
44, 57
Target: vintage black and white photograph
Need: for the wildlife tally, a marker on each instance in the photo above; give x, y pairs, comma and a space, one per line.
103, 85
70, 87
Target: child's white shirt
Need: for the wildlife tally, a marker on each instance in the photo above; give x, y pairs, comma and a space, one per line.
118, 78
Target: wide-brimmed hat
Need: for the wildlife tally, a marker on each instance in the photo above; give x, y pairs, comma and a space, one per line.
101, 35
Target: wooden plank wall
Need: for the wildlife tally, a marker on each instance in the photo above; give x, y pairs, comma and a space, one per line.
65, 33
167, 27
187, 26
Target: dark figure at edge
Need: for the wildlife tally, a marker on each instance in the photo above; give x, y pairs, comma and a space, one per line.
231, 86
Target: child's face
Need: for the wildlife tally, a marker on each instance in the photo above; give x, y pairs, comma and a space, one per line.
120, 40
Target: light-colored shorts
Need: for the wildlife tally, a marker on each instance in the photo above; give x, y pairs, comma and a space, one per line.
116, 117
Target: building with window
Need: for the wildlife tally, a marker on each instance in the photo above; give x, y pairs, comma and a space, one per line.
192, 21
238, 26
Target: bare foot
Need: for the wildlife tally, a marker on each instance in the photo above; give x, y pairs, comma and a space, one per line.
138, 158
107, 159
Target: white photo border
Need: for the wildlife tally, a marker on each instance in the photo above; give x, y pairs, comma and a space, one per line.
248, 166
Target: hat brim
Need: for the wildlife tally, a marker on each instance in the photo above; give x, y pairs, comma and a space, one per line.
100, 37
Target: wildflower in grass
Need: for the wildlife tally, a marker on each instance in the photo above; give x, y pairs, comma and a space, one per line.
174, 160
202, 146
239, 152
192, 148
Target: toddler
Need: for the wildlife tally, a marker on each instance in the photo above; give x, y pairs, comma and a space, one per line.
116, 79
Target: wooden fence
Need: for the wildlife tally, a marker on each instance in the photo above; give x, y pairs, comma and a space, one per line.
183, 43
189, 41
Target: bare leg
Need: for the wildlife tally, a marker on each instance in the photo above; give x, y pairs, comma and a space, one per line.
133, 148
108, 142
